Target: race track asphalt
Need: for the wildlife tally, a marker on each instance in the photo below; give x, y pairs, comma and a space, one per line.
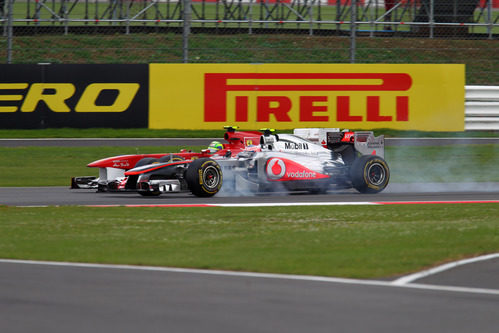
40, 298
57, 195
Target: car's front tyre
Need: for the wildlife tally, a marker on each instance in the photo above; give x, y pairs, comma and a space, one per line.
204, 177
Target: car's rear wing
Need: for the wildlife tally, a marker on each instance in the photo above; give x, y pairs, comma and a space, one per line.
368, 144
364, 141
315, 134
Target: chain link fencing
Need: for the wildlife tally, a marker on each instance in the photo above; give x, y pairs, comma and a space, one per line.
249, 31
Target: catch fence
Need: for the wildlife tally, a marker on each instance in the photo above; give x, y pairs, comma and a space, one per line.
249, 31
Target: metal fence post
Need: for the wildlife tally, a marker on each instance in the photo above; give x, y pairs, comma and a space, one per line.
353, 31
10, 13
489, 18
311, 19
250, 18
186, 30
432, 17
2, 16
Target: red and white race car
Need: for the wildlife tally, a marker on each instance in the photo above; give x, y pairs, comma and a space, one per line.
310, 159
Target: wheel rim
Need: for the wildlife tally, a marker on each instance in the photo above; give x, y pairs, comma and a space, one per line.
211, 177
376, 174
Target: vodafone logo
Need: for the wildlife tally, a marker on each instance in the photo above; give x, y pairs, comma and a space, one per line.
283, 169
276, 168
301, 175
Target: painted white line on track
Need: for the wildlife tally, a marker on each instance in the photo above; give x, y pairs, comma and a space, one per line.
419, 275
276, 204
310, 278
286, 204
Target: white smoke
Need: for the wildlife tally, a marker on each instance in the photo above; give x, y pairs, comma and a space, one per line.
418, 169
229, 190
449, 168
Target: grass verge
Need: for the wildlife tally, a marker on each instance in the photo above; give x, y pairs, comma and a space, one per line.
53, 166
479, 56
360, 242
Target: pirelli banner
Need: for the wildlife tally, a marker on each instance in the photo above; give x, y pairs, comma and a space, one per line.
281, 96
79, 96
209, 96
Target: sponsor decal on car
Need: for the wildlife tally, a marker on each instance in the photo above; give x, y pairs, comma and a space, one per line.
295, 145
121, 164
276, 168
282, 169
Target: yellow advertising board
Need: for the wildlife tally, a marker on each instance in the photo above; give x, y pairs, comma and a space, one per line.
427, 97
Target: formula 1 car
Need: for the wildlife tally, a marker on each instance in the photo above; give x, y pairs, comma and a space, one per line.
112, 169
313, 160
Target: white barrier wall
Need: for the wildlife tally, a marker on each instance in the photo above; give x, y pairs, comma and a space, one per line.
482, 108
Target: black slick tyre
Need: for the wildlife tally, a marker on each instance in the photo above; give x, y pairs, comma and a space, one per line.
171, 158
369, 174
146, 161
131, 183
204, 177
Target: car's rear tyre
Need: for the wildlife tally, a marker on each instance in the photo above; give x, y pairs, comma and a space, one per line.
131, 183
146, 161
170, 158
369, 174
204, 177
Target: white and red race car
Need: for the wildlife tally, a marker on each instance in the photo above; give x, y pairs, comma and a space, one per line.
311, 159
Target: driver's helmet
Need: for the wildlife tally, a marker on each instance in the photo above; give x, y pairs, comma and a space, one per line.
215, 146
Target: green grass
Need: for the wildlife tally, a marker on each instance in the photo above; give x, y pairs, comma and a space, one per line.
457, 163
364, 242
479, 56
53, 166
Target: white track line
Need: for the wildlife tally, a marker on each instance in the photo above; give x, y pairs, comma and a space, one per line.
288, 204
259, 275
267, 204
419, 275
